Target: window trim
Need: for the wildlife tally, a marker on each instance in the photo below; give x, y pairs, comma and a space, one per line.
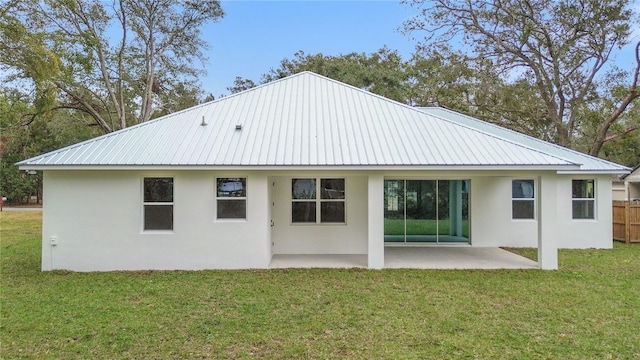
531, 199
239, 198
591, 199
318, 200
157, 203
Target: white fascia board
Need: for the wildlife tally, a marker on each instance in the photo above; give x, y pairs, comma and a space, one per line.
559, 168
592, 172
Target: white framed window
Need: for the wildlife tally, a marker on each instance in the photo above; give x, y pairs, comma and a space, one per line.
523, 203
158, 203
307, 207
583, 198
231, 198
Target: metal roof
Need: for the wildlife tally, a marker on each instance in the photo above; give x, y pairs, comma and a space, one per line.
587, 162
309, 120
632, 172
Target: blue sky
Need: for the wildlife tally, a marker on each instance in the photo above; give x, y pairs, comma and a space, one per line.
255, 35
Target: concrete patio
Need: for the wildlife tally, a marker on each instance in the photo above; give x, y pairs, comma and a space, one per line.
427, 257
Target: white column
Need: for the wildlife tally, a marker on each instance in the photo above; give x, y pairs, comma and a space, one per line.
547, 222
375, 259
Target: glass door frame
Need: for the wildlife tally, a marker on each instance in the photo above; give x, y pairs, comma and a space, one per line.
397, 208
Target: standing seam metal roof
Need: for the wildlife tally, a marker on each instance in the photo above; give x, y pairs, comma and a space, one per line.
588, 163
310, 120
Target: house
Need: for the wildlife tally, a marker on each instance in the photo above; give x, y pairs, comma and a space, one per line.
618, 188
309, 165
626, 187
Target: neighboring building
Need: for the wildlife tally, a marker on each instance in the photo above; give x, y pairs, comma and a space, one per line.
626, 187
309, 165
618, 188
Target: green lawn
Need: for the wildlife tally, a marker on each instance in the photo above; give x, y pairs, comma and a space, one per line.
421, 227
587, 310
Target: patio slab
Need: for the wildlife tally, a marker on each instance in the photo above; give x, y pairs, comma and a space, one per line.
426, 257
438, 257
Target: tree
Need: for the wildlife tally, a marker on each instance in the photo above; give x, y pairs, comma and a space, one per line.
21, 139
561, 47
241, 84
26, 56
114, 60
623, 97
382, 72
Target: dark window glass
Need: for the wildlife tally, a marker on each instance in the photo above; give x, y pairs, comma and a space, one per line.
232, 209
303, 189
158, 217
583, 209
523, 209
332, 211
332, 188
303, 212
522, 205
522, 189
232, 187
158, 189
583, 189
583, 193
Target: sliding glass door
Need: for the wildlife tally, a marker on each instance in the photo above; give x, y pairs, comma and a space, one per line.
421, 210
426, 211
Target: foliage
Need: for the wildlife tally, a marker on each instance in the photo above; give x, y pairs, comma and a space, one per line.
74, 69
625, 148
438, 76
382, 72
25, 135
561, 47
241, 84
441, 77
586, 310
110, 61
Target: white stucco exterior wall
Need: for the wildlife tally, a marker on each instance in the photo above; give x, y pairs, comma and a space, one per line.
582, 234
96, 217
375, 230
349, 238
491, 214
547, 220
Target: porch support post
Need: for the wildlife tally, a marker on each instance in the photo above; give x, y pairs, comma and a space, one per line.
375, 233
547, 222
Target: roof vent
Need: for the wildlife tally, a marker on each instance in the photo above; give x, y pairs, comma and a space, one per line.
239, 127
203, 123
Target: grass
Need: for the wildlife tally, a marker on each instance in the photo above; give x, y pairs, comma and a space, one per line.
587, 310
421, 227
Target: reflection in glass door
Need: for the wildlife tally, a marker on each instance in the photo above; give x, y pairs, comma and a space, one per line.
394, 211
426, 211
421, 211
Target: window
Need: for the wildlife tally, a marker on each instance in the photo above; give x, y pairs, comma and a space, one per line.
305, 204
231, 196
158, 203
522, 199
583, 199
